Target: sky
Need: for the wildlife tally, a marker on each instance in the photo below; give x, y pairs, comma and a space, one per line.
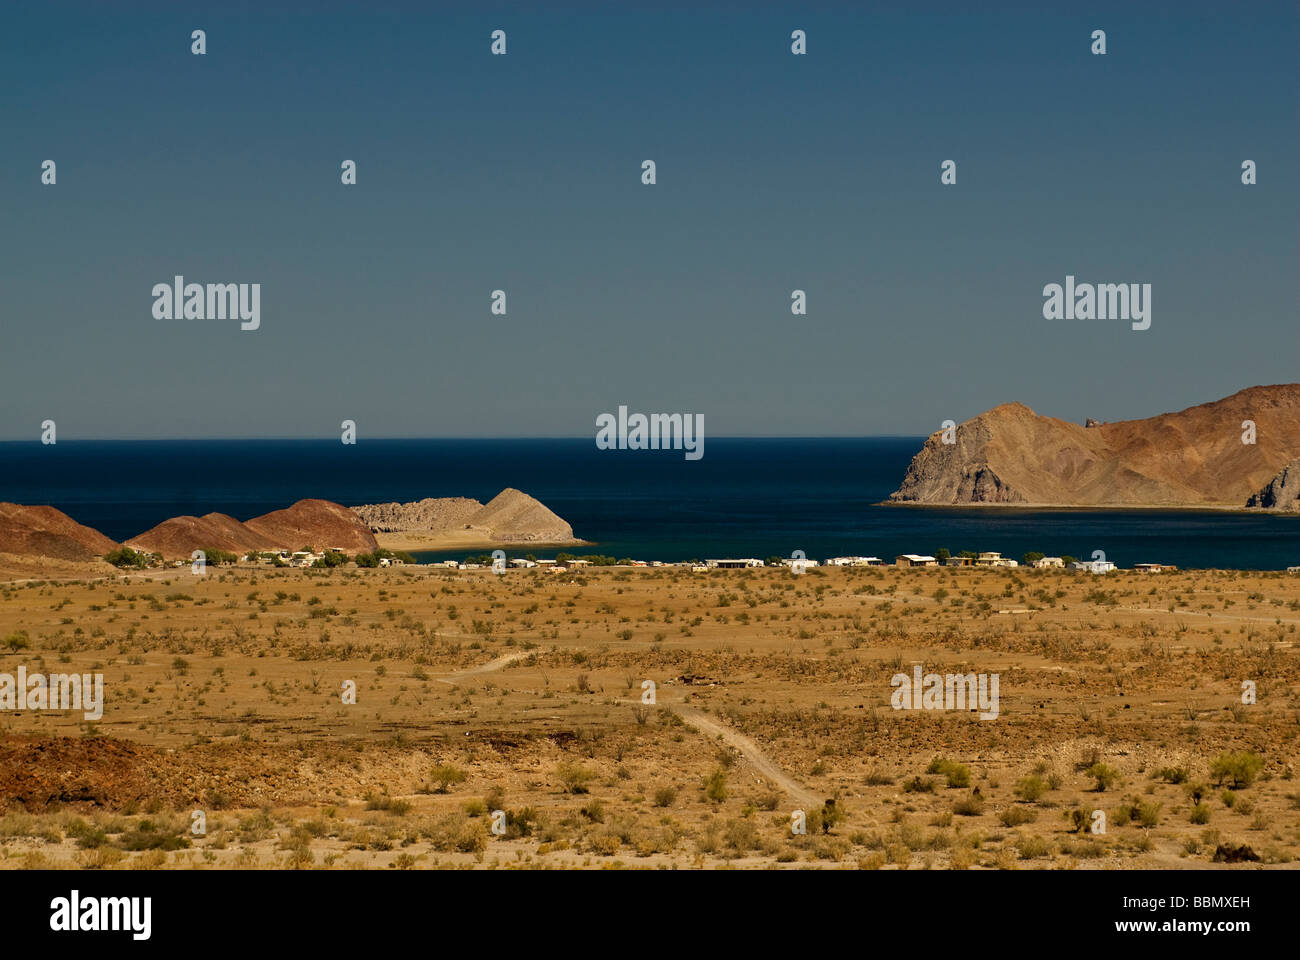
522, 172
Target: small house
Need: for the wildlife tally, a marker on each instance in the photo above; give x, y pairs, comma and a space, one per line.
914, 560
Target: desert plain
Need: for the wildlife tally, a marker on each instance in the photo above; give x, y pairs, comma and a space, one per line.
507, 721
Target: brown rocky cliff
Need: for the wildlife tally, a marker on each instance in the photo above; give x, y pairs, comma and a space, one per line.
1282, 492
1011, 455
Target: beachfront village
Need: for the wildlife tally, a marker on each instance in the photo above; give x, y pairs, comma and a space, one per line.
499, 561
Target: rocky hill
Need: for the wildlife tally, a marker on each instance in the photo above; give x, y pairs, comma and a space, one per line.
1282, 492
180, 536
317, 523
432, 514
308, 523
510, 517
47, 532
1011, 455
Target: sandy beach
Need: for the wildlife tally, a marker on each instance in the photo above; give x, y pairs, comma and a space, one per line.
467, 540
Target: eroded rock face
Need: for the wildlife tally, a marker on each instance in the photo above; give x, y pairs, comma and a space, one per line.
510, 517
418, 516
1282, 492
1011, 455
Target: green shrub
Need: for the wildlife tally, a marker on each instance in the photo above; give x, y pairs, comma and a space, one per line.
1017, 816
1030, 788
1240, 768
126, 557
665, 796
445, 775
1105, 775
574, 777
715, 787
1148, 814
957, 774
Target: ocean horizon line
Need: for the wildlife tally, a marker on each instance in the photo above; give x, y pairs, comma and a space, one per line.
486, 439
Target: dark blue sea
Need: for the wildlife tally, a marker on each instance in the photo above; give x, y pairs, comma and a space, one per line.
745, 498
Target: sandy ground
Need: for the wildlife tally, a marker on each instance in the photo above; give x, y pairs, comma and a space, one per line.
524, 693
468, 540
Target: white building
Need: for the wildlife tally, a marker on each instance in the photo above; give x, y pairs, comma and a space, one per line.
855, 562
1044, 563
1093, 566
790, 562
739, 564
914, 560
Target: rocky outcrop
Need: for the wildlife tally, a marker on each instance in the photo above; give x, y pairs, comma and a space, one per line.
419, 516
510, 517
1282, 492
47, 532
514, 517
1011, 455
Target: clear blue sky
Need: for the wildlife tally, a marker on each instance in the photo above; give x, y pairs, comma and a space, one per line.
522, 172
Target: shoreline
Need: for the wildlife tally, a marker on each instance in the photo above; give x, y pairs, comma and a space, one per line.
1096, 508
466, 540
16, 570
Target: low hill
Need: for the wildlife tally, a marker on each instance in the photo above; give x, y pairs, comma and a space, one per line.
512, 516
1195, 457
316, 523
180, 536
47, 532
308, 523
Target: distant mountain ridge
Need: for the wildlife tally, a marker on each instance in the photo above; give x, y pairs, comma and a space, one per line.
1194, 457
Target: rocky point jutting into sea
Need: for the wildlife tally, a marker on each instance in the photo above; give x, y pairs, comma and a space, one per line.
1240, 451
